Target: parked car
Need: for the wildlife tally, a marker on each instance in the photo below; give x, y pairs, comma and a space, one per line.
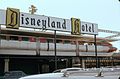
14, 75
69, 70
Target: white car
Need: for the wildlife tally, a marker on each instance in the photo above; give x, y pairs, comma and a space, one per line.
73, 73
69, 70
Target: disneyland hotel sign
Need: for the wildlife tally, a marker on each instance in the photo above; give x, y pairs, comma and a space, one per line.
14, 18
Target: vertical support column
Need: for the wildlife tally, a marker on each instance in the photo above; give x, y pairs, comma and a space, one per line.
76, 60
83, 63
77, 53
38, 66
112, 61
55, 49
37, 46
38, 53
6, 65
77, 48
0, 36
97, 64
66, 60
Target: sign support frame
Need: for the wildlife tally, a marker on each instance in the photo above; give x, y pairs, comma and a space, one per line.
0, 35
96, 56
55, 49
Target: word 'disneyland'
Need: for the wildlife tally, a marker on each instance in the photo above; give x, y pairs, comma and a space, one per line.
40, 21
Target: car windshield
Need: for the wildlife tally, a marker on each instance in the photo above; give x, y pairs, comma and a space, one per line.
56, 71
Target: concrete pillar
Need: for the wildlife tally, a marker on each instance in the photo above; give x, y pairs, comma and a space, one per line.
37, 46
6, 66
76, 62
66, 60
83, 63
77, 48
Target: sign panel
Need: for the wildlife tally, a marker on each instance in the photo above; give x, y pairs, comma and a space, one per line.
75, 26
79, 27
12, 18
2, 17
89, 28
45, 22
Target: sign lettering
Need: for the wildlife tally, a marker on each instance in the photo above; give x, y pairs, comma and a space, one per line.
75, 24
12, 20
45, 22
89, 28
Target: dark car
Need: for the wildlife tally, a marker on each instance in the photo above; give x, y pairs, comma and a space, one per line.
14, 75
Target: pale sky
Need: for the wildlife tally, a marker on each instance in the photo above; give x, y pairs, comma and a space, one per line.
106, 13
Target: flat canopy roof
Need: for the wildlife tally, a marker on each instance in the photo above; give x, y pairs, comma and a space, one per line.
21, 32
